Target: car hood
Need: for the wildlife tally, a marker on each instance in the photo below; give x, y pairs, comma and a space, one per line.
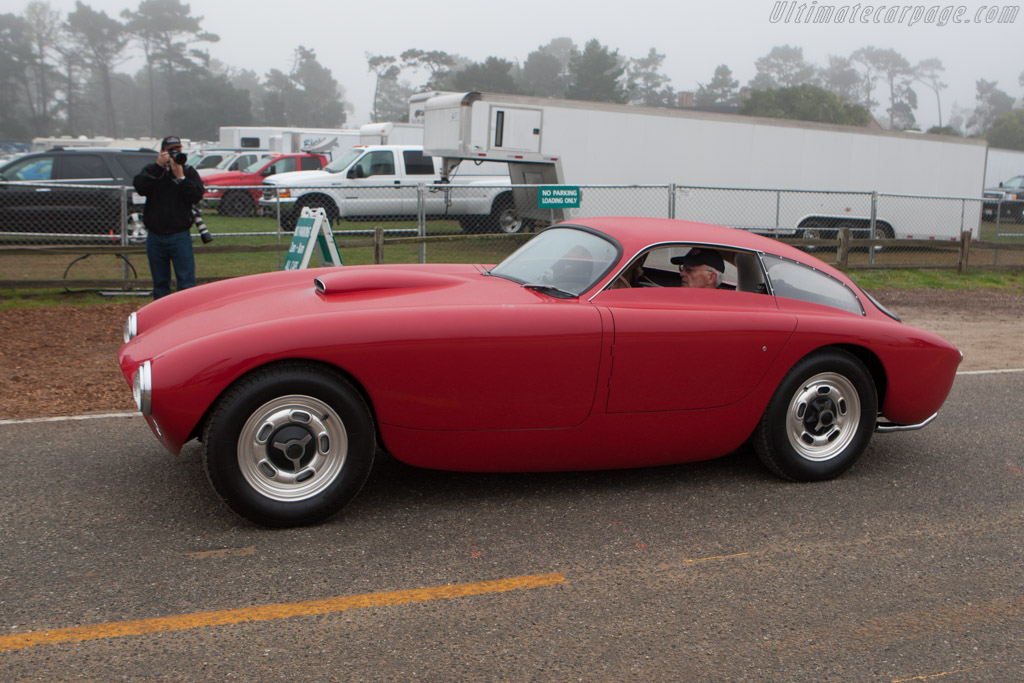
228, 177
300, 178
271, 302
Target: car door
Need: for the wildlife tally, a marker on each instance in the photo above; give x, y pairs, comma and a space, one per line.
677, 348
86, 201
478, 368
373, 187
25, 201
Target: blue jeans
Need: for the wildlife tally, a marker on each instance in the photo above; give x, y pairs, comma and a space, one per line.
162, 251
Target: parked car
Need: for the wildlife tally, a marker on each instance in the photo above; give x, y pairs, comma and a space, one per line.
543, 362
1008, 199
232, 160
243, 201
69, 191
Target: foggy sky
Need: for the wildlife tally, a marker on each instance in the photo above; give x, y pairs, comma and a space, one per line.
694, 37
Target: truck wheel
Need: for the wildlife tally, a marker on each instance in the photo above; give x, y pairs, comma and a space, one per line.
236, 203
317, 202
289, 445
814, 231
820, 418
504, 218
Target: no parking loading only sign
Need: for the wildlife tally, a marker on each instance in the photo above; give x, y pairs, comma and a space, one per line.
558, 197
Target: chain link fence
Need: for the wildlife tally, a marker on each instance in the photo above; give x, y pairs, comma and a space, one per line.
57, 223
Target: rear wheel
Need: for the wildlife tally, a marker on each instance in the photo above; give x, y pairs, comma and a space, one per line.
504, 218
289, 445
237, 203
815, 231
820, 419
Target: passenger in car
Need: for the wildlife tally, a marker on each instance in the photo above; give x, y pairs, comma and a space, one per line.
702, 268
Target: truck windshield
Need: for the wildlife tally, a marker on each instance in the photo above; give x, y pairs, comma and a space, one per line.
344, 161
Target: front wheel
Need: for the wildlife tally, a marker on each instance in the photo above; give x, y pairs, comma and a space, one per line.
289, 445
820, 419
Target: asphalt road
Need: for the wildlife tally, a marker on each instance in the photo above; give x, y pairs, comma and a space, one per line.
908, 567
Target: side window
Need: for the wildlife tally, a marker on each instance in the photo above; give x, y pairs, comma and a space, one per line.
280, 166
134, 163
249, 143
82, 166
32, 168
310, 163
417, 163
793, 280
382, 163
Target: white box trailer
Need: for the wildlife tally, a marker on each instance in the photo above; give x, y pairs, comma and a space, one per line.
1003, 164
823, 167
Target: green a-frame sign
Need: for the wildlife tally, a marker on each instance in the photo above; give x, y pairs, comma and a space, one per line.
312, 229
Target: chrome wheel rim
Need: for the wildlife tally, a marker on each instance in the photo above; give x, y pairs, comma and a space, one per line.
292, 448
509, 223
823, 416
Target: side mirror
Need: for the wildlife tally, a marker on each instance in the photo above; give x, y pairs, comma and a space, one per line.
1000, 183
356, 172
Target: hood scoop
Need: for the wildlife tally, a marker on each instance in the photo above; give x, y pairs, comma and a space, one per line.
360, 279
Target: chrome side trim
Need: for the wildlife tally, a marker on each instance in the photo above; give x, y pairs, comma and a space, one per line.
886, 426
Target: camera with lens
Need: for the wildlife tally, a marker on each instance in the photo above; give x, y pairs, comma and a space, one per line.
178, 157
197, 220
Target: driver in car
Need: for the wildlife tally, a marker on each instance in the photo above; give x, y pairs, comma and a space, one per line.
701, 268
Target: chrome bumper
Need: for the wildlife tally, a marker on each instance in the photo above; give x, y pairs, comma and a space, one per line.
886, 426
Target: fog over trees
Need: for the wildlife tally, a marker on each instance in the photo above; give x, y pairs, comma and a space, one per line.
62, 75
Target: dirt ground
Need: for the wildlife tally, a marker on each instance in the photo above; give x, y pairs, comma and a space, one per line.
63, 360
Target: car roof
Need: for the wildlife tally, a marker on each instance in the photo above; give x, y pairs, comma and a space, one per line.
638, 233
100, 150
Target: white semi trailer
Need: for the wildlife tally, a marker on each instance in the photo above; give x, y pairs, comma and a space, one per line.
824, 176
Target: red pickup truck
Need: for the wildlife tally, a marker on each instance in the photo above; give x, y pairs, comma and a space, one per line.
243, 201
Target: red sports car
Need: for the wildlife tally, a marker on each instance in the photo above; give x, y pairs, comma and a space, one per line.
581, 350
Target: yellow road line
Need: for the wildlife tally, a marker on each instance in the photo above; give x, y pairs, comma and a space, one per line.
18, 641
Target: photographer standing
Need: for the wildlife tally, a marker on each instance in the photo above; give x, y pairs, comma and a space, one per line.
171, 189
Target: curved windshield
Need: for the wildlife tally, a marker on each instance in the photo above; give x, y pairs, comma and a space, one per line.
561, 262
1016, 181
344, 161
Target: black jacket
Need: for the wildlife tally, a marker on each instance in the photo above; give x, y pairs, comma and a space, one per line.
168, 203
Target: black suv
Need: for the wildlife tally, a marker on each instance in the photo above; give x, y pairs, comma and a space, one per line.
69, 191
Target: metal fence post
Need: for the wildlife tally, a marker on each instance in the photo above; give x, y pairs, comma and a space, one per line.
778, 208
672, 200
124, 230
874, 220
421, 220
378, 244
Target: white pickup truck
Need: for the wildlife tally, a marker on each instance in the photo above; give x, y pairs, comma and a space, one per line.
379, 182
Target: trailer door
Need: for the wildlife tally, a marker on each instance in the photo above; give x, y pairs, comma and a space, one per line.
515, 129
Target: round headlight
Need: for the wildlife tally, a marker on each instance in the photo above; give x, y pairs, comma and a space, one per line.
131, 328
142, 387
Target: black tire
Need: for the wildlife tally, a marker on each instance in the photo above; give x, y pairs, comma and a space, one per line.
289, 445
237, 203
318, 202
504, 218
820, 419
